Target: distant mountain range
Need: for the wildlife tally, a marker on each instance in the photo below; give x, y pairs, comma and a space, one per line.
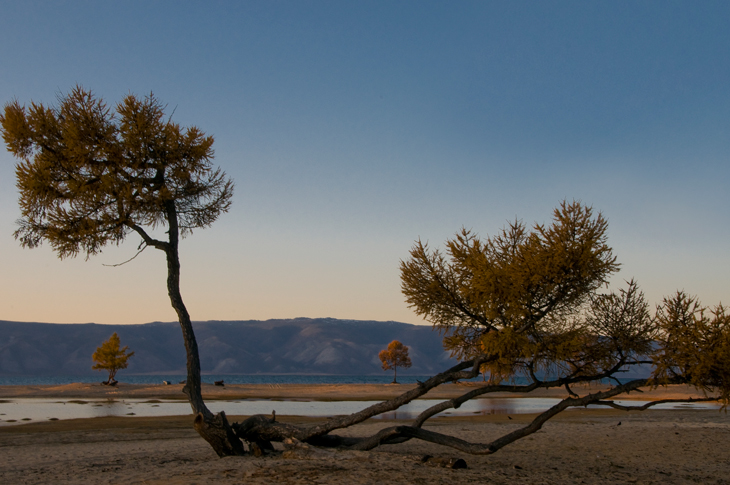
296, 346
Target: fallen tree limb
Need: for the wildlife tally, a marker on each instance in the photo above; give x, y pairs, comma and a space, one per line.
267, 429
398, 433
536, 383
260, 430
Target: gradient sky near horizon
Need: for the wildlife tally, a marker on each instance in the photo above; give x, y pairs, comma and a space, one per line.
352, 129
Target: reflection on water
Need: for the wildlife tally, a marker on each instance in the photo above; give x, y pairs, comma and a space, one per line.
18, 411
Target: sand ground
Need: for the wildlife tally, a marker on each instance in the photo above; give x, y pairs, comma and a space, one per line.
578, 446
315, 392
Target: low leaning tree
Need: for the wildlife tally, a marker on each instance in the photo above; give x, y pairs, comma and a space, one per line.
525, 302
528, 303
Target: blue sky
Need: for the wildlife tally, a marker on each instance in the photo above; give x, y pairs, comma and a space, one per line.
352, 129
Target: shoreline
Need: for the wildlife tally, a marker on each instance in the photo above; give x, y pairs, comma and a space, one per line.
312, 392
590, 446
33, 404
584, 446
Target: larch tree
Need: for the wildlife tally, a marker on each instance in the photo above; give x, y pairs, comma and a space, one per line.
110, 357
396, 355
526, 302
90, 175
530, 303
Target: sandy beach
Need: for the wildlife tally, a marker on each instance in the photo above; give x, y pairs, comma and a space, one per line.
314, 392
579, 446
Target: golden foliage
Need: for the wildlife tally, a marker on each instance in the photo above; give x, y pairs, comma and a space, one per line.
396, 355
530, 301
518, 279
90, 174
694, 343
509, 348
110, 357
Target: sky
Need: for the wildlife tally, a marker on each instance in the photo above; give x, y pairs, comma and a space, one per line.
353, 129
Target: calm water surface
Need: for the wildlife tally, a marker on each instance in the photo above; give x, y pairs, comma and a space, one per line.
385, 378
19, 411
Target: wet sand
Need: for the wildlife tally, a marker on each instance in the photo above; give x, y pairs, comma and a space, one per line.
580, 446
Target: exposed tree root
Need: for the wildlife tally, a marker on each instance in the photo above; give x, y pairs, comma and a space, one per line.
219, 434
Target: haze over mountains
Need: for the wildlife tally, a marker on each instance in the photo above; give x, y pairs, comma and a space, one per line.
296, 346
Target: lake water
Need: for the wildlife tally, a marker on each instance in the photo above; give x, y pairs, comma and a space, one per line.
385, 378
19, 411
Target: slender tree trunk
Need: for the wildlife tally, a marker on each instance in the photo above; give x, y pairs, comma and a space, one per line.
192, 387
215, 429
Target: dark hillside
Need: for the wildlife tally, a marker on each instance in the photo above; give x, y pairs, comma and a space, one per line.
297, 346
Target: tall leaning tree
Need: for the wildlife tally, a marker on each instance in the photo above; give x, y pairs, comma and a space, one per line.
90, 175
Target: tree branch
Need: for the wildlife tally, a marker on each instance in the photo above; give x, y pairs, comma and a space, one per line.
654, 403
389, 435
147, 239
457, 402
277, 432
130, 259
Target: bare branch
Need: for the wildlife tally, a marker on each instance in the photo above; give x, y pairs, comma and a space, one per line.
457, 402
393, 434
654, 403
308, 433
130, 259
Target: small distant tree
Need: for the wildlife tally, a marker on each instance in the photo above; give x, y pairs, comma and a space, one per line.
394, 356
110, 357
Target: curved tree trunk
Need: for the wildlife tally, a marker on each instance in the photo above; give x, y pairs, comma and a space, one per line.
215, 429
